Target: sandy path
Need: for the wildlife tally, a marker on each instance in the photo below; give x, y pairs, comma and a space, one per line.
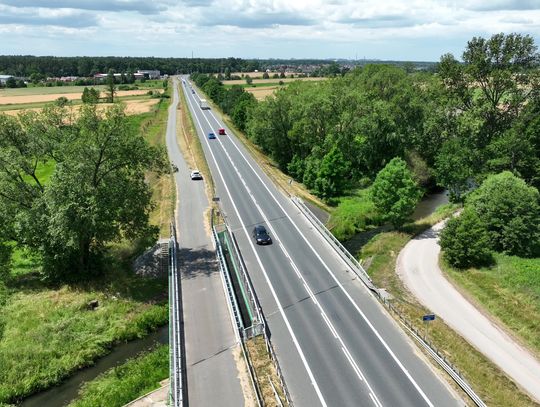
418, 267
5, 100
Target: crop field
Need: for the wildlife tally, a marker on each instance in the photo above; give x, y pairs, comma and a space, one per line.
270, 81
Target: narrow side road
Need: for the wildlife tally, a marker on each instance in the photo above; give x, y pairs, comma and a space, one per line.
418, 267
212, 374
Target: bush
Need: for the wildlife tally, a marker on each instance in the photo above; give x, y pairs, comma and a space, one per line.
395, 192
353, 215
465, 241
511, 212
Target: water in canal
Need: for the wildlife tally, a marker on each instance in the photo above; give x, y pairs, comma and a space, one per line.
65, 392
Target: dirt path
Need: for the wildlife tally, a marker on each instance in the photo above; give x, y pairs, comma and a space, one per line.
418, 267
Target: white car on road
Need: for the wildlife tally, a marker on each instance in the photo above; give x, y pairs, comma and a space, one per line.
195, 174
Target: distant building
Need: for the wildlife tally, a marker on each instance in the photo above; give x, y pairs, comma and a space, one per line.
150, 74
140, 74
4, 78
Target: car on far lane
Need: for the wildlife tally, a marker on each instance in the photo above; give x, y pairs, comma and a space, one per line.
211, 136
261, 235
195, 175
221, 132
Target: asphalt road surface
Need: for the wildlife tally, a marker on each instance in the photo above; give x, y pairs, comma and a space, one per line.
335, 343
212, 376
418, 266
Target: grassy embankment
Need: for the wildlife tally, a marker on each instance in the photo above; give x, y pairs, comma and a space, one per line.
117, 387
509, 290
495, 388
47, 332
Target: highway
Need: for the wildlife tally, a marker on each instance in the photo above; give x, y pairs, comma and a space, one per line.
335, 343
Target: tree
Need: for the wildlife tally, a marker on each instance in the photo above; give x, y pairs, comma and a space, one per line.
90, 96
465, 241
249, 81
265, 75
111, 86
511, 211
454, 168
395, 193
96, 194
11, 82
333, 174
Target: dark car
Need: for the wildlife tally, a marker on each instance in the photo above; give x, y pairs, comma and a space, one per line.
211, 136
221, 132
261, 235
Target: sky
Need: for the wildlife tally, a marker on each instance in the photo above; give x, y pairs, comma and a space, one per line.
413, 30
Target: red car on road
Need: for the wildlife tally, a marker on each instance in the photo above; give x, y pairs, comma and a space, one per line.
221, 132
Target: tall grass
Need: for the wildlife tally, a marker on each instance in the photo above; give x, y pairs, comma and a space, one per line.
122, 384
50, 333
510, 290
353, 215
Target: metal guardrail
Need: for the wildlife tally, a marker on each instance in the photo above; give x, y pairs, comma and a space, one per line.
257, 324
415, 333
231, 298
335, 243
176, 392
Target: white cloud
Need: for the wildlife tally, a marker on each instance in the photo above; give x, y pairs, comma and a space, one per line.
415, 29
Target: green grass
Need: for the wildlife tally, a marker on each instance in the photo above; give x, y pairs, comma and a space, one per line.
381, 252
49, 333
48, 90
127, 382
352, 215
510, 290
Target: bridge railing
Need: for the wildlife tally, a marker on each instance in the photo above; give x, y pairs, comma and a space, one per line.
176, 391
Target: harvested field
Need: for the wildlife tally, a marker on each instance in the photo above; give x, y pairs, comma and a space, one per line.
7, 99
262, 93
271, 80
132, 107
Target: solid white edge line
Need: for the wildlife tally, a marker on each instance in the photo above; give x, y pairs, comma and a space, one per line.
403, 369
296, 269
282, 312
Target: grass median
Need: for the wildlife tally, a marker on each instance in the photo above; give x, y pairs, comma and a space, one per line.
493, 386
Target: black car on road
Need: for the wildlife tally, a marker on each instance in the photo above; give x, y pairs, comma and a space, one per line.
261, 235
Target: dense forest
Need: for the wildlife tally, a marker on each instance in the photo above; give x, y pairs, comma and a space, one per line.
384, 133
26, 65
453, 128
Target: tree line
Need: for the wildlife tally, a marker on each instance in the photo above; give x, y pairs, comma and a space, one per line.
235, 101
50, 66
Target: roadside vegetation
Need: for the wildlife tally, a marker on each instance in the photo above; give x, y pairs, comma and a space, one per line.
64, 302
122, 384
379, 255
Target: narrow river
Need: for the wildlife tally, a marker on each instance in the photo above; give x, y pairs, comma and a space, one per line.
65, 392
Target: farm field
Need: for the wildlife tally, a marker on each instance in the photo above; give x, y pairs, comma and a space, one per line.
50, 97
270, 80
133, 106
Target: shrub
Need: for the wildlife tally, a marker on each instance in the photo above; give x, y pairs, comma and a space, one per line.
465, 241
